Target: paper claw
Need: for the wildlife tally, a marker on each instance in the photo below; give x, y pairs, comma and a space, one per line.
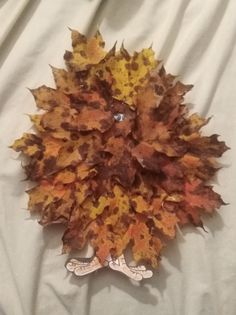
82, 268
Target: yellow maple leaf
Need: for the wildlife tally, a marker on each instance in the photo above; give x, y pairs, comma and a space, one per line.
129, 73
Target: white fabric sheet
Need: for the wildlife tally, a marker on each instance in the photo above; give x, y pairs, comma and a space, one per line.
196, 39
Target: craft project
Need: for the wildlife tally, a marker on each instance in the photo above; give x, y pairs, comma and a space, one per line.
117, 158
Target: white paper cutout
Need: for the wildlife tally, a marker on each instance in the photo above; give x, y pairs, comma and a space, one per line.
81, 267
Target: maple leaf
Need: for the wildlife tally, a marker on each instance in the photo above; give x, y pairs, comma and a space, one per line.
116, 156
29, 144
47, 195
48, 98
207, 146
145, 246
66, 81
198, 195
165, 221
130, 73
86, 52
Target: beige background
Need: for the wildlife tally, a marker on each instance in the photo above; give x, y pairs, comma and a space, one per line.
196, 39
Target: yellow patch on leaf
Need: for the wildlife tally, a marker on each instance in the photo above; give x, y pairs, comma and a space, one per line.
29, 144
102, 203
119, 205
129, 73
65, 177
140, 204
84, 170
81, 192
166, 222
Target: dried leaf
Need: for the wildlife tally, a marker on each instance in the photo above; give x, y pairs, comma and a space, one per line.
66, 81
29, 144
130, 73
48, 98
145, 246
86, 52
203, 197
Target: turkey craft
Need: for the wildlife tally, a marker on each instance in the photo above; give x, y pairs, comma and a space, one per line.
116, 157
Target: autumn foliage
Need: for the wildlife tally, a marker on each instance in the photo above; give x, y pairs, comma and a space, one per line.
116, 157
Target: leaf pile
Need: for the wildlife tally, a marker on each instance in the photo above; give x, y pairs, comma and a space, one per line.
116, 157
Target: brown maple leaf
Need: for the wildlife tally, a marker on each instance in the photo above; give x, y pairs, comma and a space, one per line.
117, 158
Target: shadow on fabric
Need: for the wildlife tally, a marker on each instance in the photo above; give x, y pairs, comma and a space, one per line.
17, 29
116, 14
146, 291
2, 2
119, 13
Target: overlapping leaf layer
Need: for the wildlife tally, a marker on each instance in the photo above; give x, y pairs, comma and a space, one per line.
116, 157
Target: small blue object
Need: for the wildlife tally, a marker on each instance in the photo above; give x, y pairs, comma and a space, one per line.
119, 117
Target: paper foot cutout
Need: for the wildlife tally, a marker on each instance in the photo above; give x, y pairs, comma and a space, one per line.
136, 273
82, 268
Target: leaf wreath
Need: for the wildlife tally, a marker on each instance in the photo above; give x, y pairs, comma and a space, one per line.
117, 158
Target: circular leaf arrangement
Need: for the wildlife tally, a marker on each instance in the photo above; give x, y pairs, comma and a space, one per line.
116, 157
